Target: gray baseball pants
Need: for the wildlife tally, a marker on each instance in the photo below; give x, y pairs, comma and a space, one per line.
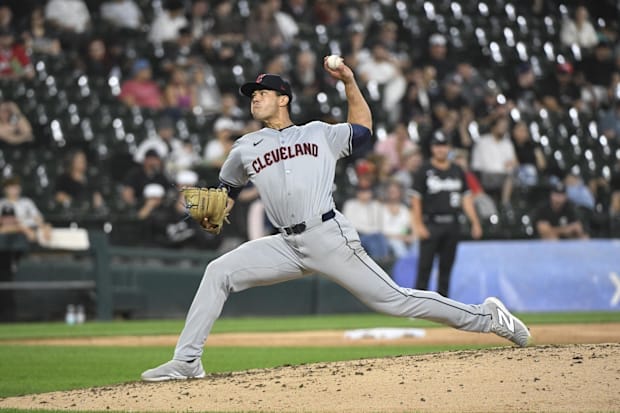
331, 248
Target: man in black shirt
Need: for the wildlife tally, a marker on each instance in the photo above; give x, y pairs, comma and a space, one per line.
558, 218
150, 172
559, 91
440, 192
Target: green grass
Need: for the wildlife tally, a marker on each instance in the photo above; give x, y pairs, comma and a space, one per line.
36, 369
47, 368
263, 324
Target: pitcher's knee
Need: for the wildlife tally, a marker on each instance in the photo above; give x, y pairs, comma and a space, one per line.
218, 273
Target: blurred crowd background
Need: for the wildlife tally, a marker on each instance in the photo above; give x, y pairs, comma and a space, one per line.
107, 108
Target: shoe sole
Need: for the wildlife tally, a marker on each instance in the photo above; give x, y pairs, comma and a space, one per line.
169, 378
501, 305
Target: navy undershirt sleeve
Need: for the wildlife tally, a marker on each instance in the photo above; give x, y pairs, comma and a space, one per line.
233, 191
360, 139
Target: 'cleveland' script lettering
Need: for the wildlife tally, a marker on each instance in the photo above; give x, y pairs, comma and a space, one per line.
284, 152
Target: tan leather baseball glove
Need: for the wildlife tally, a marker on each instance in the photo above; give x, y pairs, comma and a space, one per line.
207, 203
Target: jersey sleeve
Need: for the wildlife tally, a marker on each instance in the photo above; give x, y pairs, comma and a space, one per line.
233, 173
339, 139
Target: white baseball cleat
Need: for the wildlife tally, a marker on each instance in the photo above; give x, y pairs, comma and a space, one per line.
505, 325
175, 370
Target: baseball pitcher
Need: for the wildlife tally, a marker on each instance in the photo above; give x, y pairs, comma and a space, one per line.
293, 169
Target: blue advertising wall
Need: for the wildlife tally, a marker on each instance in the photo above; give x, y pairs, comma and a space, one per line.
532, 275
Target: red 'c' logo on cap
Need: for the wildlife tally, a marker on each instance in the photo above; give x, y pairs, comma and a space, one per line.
259, 79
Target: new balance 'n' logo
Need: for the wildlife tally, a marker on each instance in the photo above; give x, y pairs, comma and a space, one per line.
504, 319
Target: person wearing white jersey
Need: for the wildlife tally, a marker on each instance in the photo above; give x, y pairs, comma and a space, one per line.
293, 170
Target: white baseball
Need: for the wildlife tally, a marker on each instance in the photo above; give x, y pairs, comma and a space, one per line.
334, 61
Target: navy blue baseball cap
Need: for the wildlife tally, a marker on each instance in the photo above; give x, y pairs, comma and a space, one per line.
270, 82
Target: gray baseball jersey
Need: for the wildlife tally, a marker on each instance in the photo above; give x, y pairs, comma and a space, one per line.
293, 170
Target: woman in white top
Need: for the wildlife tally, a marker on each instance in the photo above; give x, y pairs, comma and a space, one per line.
20, 214
397, 220
579, 31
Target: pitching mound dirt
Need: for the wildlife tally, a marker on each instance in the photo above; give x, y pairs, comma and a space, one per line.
543, 379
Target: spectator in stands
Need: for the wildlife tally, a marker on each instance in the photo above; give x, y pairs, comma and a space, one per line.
286, 24
557, 218
579, 30
578, 192
179, 95
354, 45
164, 142
609, 120
416, 104
150, 171
492, 107
365, 172
184, 178
27, 217
123, 14
331, 14
396, 221
365, 213
208, 95
97, 62
560, 91
180, 54
598, 69
388, 36
70, 18
300, 11
455, 126
15, 129
494, 158
167, 225
141, 90
6, 17
166, 25
166, 222
525, 91
473, 85
230, 108
383, 69
163, 226
450, 102
394, 146
216, 150
262, 28
20, 223
38, 38
277, 64
438, 56
14, 61
484, 204
212, 50
530, 158
383, 173
74, 189
198, 19
411, 161
306, 78
228, 27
